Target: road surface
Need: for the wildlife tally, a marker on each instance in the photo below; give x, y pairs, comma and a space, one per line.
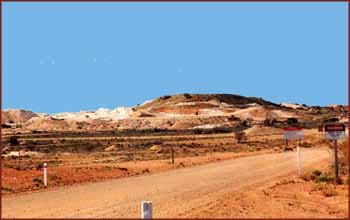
174, 193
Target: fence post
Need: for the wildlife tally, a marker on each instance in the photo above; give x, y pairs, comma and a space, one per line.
146, 210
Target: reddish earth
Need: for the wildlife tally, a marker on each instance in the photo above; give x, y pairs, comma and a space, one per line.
287, 198
231, 188
97, 165
16, 181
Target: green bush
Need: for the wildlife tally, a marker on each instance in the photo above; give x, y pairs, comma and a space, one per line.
39, 166
38, 182
321, 178
324, 178
316, 172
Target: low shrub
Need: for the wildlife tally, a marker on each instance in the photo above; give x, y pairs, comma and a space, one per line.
14, 140
324, 178
38, 182
316, 172
329, 191
39, 166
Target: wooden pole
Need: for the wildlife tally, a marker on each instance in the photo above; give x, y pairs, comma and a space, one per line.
172, 153
336, 168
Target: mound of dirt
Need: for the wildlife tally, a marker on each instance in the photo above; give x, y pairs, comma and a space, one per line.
183, 125
197, 105
48, 123
16, 116
258, 130
260, 113
102, 113
216, 98
141, 114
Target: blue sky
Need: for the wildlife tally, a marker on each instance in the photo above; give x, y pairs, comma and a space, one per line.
78, 56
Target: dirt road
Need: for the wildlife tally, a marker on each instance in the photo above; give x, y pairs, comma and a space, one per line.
174, 193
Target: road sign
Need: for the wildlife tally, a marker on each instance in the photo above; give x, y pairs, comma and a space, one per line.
335, 131
293, 133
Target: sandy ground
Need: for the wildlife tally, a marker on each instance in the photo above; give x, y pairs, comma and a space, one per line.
77, 169
289, 197
184, 192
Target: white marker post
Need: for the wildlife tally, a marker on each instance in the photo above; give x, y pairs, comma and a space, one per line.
45, 174
291, 133
299, 158
146, 209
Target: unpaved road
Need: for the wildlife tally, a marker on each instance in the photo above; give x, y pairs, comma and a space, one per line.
174, 193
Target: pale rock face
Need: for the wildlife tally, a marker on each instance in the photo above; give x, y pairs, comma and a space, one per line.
101, 113
211, 112
225, 105
146, 102
333, 105
207, 126
294, 106
185, 103
170, 115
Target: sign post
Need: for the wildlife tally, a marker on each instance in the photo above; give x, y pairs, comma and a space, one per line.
336, 166
146, 210
45, 174
335, 132
291, 133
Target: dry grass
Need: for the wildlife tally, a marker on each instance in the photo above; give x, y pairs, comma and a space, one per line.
327, 190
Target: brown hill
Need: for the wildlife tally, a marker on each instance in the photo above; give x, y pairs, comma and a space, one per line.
16, 116
206, 100
182, 111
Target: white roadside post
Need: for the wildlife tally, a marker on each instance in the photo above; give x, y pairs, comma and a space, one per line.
45, 174
299, 158
295, 133
146, 209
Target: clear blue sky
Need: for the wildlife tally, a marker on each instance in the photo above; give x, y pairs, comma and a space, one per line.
79, 56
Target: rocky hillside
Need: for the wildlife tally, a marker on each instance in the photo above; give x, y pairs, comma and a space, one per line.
16, 116
182, 111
